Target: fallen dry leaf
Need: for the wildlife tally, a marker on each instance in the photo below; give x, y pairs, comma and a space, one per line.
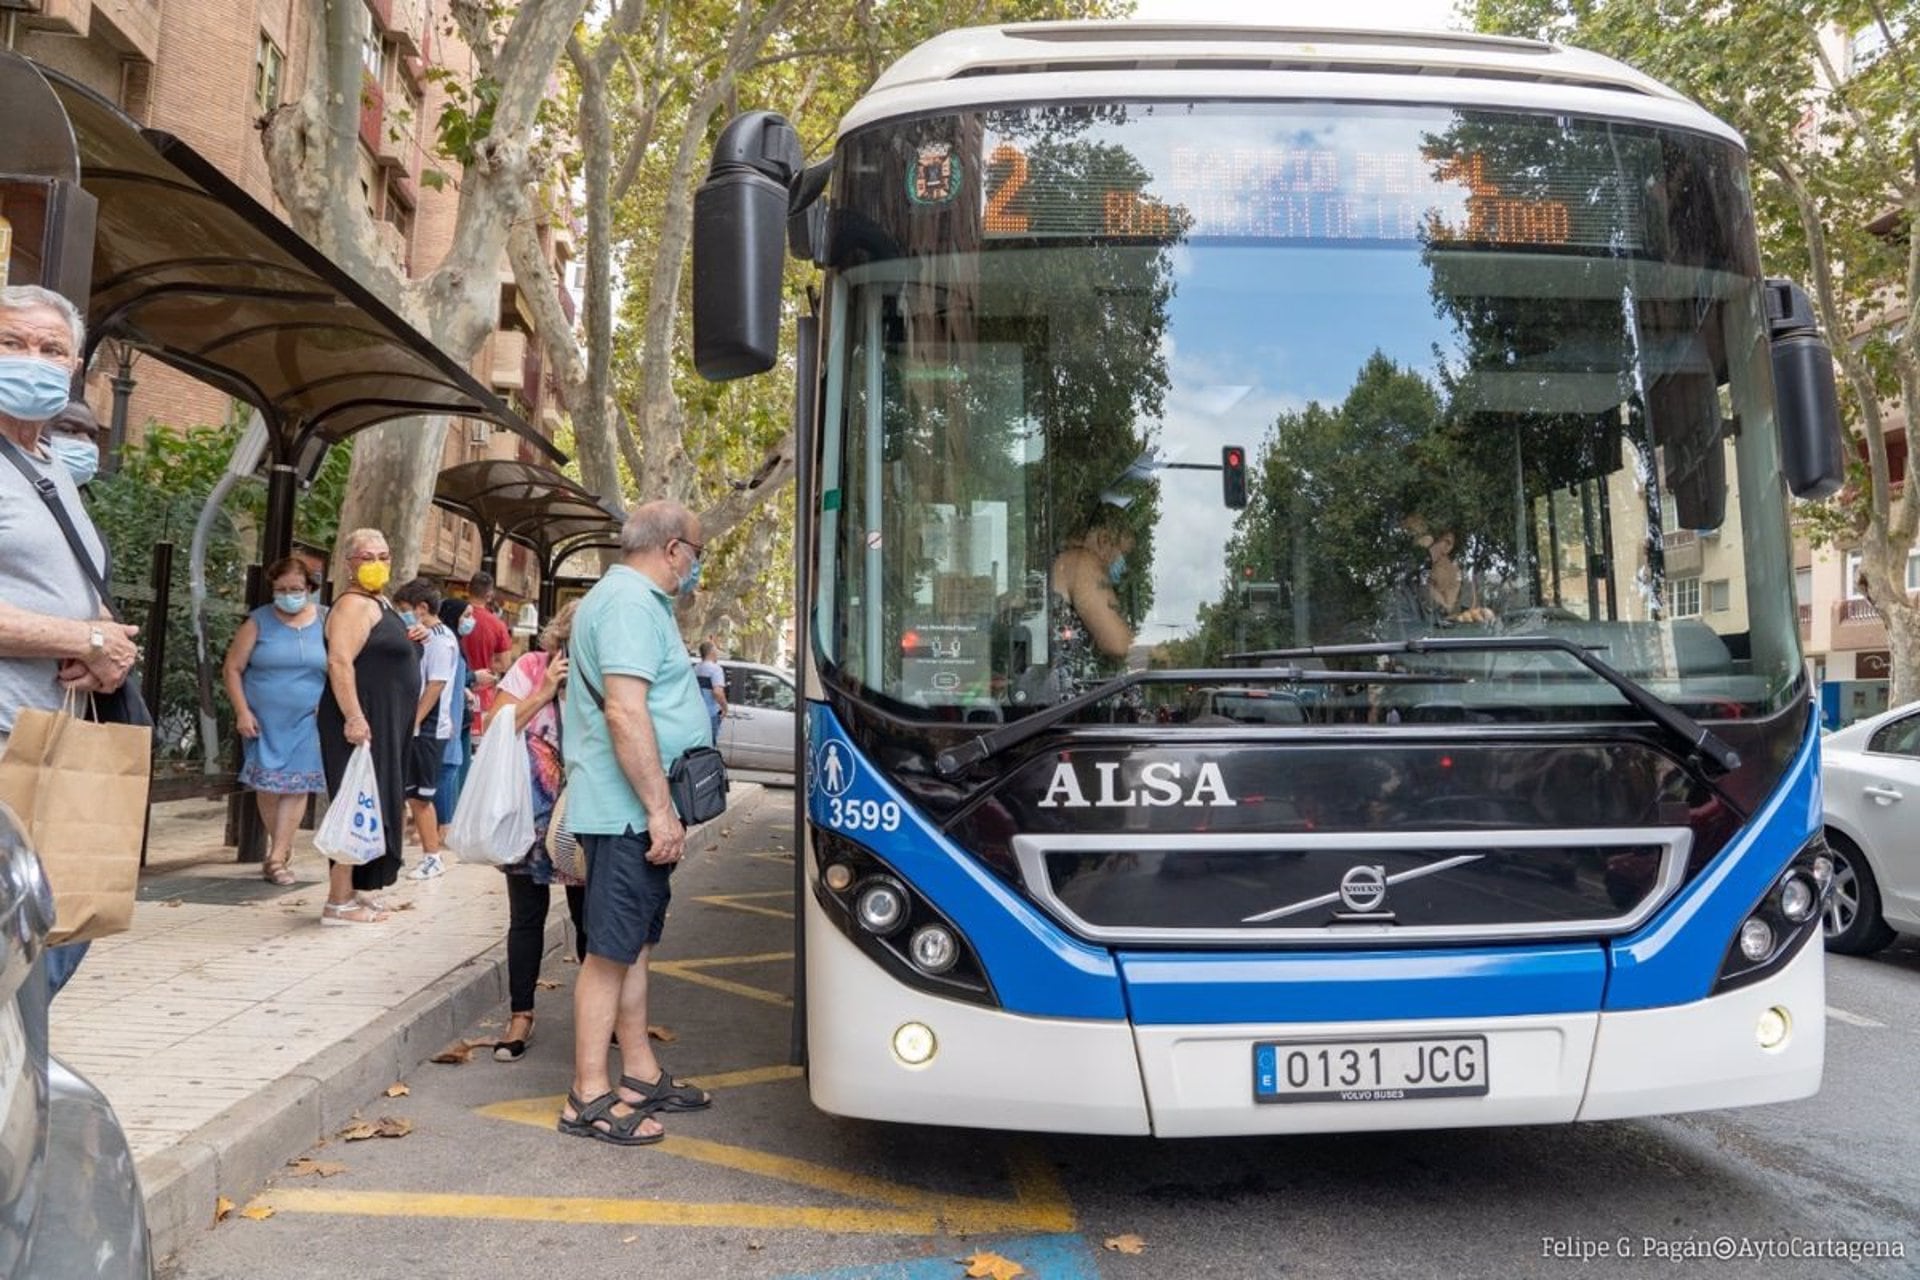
755, 1246
398, 1090
725, 832
1128, 1243
257, 1212
393, 1127
221, 1208
357, 1132
306, 1164
173, 902
402, 906
628, 1239
991, 1266
546, 984
712, 847
665, 1035
457, 1053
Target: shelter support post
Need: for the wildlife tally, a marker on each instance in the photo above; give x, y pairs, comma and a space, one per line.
282, 493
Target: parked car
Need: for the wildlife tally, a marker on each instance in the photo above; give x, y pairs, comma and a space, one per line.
1870, 774
70, 1202
756, 735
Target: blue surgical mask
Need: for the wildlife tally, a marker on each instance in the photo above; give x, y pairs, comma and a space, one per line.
691, 583
1117, 570
32, 389
290, 602
467, 624
81, 457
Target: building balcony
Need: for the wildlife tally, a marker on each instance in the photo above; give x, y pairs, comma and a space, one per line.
136, 22
1683, 553
373, 111
406, 26
59, 17
1858, 625
503, 360
398, 146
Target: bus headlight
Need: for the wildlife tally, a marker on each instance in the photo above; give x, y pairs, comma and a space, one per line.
1797, 897
1756, 939
884, 914
1784, 920
881, 906
933, 949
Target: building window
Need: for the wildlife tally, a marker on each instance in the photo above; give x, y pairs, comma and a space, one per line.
1913, 572
1869, 44
268, 65
1803, 586
1684, 597
1850, 588
1719, 598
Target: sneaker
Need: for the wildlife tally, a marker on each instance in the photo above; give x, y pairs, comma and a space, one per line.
430, 866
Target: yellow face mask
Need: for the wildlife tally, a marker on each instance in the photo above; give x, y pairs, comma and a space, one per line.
373, 575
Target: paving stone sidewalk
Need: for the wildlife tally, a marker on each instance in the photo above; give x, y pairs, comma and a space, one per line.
230, 1030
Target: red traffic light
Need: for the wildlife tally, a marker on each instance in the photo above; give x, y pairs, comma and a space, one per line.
1233, 476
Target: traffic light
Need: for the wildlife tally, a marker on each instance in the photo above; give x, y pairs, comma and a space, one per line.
1233, 476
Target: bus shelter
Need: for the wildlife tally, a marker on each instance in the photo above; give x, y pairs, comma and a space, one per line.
533, 506
189, 268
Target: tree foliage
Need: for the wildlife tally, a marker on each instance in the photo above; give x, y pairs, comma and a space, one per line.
1836, 158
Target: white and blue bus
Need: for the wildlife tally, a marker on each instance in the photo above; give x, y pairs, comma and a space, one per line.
1297, 615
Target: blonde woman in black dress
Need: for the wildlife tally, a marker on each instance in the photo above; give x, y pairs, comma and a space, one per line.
373, 684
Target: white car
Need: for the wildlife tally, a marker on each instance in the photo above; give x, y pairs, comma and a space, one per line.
756, 736
1870, 773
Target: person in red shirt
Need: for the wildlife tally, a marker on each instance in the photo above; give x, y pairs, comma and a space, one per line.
489, 638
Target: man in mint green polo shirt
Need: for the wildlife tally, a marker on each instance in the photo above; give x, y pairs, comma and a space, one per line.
632, 709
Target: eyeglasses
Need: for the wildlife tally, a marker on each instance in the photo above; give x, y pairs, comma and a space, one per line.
699, 548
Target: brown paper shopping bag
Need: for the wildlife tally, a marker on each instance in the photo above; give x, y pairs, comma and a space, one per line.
80, 790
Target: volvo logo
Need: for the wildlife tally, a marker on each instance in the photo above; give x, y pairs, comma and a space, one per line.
1363, 888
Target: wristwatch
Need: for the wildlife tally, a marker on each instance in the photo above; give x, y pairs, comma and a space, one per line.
96, 642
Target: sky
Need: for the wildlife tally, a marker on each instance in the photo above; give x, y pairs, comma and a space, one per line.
1418, 14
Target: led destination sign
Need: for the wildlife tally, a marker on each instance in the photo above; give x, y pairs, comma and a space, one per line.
1157, 180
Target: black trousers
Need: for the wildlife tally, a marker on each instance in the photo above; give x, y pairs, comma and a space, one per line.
527, 904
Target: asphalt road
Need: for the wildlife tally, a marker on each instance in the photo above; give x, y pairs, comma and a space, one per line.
764, 1186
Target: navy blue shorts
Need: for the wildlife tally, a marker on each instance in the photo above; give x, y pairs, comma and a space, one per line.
627, 896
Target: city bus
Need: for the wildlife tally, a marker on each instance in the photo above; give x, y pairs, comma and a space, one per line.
1296, 629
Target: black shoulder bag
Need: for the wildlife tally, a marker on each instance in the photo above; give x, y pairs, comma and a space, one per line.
124, 705
697, 780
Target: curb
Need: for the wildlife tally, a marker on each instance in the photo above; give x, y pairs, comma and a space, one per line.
235, 1153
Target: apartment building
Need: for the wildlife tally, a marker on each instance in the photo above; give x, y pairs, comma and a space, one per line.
206, 71
1844, 636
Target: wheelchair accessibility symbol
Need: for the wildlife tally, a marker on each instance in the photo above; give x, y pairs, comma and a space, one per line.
835, 770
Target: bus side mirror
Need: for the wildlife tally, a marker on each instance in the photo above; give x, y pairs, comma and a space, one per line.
739, 246
1807, 407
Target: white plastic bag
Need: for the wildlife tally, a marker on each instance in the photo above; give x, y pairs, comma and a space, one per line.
354, 829
493, 822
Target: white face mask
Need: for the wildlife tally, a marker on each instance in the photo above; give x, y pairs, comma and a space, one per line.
80, 457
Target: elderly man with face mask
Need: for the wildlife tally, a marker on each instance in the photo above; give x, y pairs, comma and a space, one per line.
56, 633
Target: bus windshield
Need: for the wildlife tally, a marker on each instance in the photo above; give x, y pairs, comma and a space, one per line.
1120, 386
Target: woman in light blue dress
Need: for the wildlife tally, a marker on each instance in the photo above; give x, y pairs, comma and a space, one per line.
275, 670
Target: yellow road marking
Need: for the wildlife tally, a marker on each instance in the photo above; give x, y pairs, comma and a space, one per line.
1039, 1205
720, 962
665, 1213
691, 971
732, 902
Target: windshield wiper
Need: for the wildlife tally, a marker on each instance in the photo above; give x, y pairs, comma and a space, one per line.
952, 761
1697, 736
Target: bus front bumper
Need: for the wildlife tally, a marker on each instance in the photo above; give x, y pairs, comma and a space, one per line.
993, 1069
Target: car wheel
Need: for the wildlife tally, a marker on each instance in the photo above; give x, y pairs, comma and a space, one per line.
1852, 923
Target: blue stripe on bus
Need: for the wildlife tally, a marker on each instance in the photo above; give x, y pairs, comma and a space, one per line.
1675, 957
1186, 988
1037, 967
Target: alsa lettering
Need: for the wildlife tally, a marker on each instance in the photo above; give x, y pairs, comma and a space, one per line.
1161, 784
